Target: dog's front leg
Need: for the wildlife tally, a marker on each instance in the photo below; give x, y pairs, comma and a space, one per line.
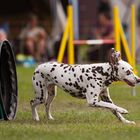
110, 106
104, 95
93, 100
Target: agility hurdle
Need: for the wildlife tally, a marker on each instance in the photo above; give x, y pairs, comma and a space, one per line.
118, 37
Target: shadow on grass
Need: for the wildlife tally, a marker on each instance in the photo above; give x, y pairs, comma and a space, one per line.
98, 117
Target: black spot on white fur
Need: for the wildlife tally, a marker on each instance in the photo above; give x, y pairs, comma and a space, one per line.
52, 69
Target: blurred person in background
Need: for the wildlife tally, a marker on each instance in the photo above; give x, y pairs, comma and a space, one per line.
104, 6
3, 35
4, 31
104, 30
33, 39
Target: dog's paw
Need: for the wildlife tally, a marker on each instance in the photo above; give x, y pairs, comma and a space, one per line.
35, 116
129, 122
50, 118
36, 119
122, 110
132, 122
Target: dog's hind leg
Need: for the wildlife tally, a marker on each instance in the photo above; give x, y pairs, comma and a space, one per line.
39, 84
104, 95
33, 104
51, 94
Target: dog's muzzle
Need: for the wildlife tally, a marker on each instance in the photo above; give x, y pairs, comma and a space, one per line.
129, 83
132, 84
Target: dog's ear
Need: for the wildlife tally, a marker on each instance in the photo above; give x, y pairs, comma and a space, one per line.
114, 56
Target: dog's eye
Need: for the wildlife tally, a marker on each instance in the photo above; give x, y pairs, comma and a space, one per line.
128, 72
132, 69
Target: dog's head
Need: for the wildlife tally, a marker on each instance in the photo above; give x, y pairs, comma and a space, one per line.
123, 69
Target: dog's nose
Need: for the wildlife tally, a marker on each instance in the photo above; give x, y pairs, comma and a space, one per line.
138, 80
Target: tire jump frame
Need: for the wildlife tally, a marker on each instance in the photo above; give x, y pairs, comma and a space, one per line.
8, 82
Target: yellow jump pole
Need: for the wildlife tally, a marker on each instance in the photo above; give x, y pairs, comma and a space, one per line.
133, 36
125, 44
71, 36
63, 42
116, 29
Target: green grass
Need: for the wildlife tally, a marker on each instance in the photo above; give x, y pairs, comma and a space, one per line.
74, 120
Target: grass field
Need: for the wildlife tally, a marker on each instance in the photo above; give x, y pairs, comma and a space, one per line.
73, 119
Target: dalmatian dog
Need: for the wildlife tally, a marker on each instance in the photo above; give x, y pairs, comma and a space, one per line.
89, 81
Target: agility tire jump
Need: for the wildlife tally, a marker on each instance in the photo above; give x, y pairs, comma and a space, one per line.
8, 82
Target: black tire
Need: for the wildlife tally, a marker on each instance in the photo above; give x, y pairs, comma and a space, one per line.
8, 81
